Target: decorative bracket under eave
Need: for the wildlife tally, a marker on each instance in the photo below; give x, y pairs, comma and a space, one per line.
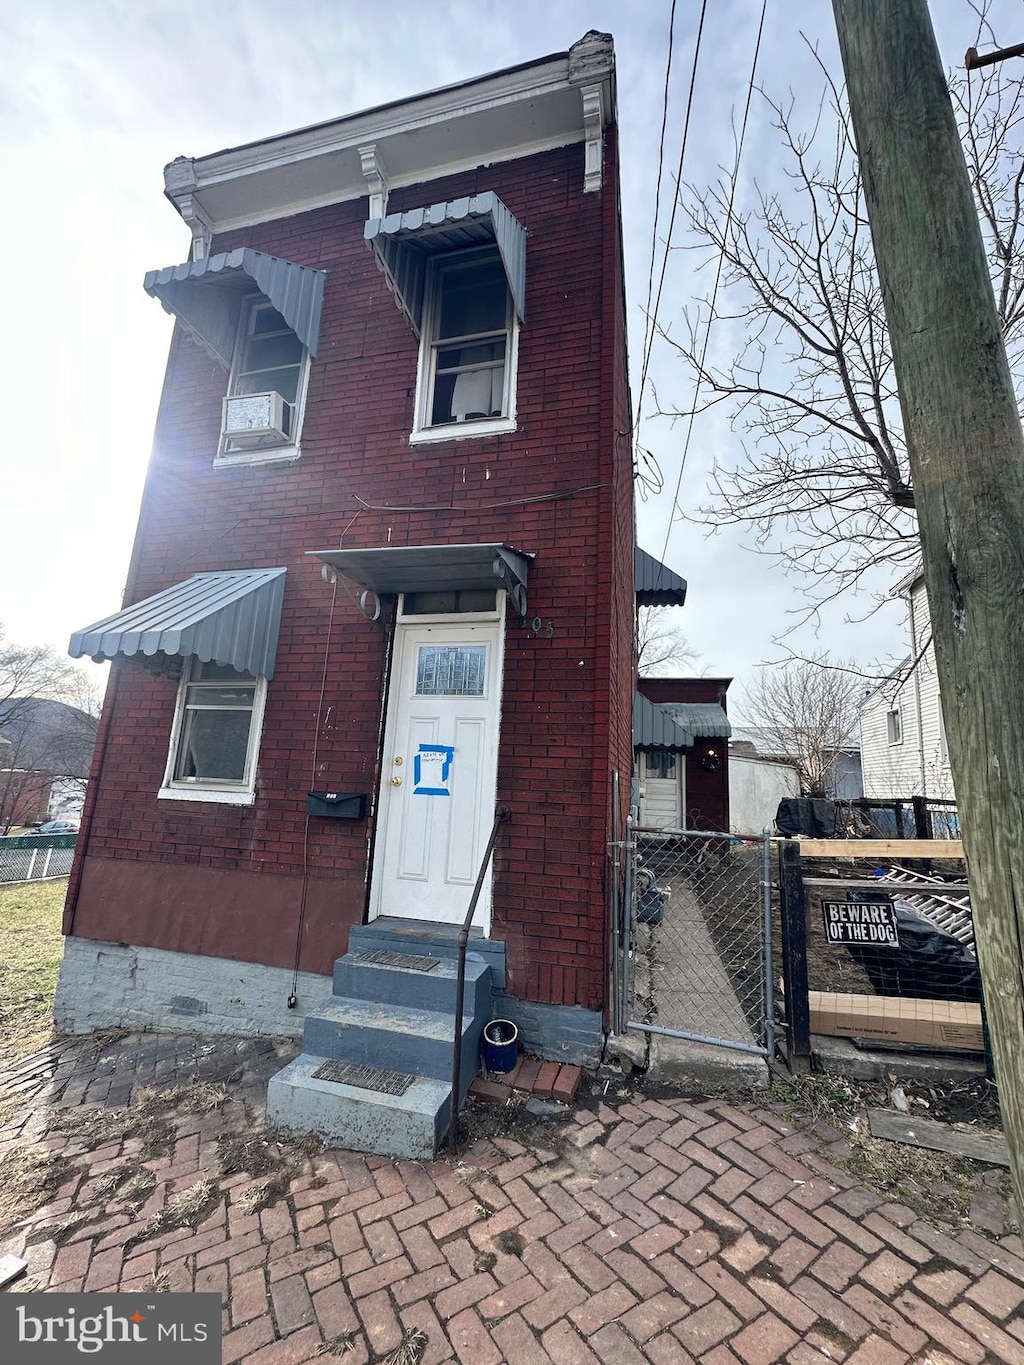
593, 131
199, 225
376, 177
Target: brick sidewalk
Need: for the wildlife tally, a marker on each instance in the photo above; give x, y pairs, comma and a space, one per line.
664, 1231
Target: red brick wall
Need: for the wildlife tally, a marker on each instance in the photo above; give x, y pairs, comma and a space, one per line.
565, 707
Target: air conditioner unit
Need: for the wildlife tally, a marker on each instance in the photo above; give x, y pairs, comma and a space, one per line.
252, 419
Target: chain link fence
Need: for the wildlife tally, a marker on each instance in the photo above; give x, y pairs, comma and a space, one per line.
697, 941
35, 857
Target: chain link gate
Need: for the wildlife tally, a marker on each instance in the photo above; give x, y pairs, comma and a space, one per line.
695, 938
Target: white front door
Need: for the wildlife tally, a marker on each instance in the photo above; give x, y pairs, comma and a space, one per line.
439, 773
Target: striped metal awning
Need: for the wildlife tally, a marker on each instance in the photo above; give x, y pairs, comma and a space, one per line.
653, 729
402, 242
206, 296
703, 719
231, 617
655, 584
435, 568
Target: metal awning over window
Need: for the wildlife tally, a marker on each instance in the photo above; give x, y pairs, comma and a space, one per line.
435, 568
703, 719
226, 618
655, 584
205, 296
653, 729
402, 242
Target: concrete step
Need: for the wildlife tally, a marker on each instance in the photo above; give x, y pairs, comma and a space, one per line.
409, 1126
398, 1037
356, 977
426, 938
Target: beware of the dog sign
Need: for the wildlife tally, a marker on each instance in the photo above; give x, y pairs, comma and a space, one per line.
872, 922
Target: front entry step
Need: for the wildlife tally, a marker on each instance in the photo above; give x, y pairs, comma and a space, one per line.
410, 1125
375, 1070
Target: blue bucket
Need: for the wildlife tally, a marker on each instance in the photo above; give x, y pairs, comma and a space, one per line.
500, 1045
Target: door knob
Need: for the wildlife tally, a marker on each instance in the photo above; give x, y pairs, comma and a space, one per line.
396, 781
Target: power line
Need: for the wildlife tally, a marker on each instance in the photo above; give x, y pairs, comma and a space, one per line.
718, 276
653, 313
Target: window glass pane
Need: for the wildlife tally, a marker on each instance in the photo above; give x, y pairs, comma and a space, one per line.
284, 382
447, 603
214, 746
213, 672
451, 670
266, 319
469, 395
271, 352
474, 298
207, 695
660, 763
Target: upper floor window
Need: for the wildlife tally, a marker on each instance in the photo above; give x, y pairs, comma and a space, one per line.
468, 348
263, 405
894, 726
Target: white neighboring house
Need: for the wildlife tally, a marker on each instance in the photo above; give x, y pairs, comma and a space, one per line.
902, 735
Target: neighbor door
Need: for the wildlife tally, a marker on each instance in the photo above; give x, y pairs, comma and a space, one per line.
439, 772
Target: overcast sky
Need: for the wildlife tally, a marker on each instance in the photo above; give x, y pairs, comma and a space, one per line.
99, 94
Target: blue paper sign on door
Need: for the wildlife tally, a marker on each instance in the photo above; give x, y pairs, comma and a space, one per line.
431, 770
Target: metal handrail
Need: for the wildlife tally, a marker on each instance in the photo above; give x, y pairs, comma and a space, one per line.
501, 815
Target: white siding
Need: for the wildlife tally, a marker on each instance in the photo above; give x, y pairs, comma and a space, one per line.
755, 789
919, 766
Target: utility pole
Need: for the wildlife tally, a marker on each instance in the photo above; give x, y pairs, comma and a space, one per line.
967, 458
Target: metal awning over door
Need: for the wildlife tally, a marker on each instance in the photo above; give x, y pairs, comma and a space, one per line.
653, 729
205, 296
435, 568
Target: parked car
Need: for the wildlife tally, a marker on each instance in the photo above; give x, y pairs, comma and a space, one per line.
58, 827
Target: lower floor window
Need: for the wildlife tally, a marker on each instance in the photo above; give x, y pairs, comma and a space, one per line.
217, 728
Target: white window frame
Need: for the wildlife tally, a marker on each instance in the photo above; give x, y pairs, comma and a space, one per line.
292, 448
241, 793
894, 726
423, 431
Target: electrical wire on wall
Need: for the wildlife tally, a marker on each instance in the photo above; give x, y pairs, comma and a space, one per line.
293, 998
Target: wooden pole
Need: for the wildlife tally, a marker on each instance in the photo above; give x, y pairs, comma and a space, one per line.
967, 457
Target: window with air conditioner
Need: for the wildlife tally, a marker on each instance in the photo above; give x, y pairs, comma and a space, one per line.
468, 348
262, 410
215, 735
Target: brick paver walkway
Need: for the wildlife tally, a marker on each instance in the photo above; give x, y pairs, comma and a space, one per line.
646, 1230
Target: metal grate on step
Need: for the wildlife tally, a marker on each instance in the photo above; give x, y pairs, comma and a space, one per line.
379, 958
377, 1078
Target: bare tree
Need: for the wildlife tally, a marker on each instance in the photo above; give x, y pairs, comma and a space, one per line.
47, 724
823, 478
661, 646
806, 712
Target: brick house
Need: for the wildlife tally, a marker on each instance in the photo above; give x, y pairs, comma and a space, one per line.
382, 580
681, 736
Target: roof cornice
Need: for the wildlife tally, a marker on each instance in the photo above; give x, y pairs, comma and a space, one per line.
510, 113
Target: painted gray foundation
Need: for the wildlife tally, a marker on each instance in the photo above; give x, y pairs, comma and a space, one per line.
113, 985
558, 1033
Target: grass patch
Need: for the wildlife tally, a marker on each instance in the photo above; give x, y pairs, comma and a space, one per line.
511, 1242
409, 1350
187, 1209
31, 947
29, 1177
937, 1185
